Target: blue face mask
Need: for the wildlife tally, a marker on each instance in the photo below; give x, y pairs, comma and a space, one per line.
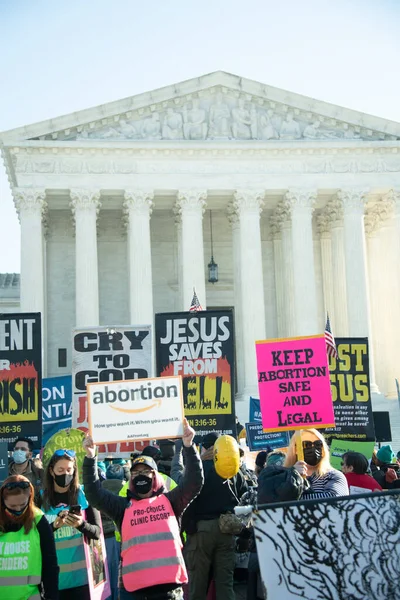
16, 513
19, 456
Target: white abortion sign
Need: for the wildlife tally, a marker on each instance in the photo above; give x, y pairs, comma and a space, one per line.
135, 410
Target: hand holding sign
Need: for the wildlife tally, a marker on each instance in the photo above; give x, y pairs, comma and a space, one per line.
188, 434
89, 446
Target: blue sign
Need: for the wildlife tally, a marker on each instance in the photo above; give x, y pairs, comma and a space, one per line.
56, 405
255, 411
258, 440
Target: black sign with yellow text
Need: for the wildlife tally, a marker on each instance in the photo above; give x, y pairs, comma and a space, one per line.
351, 394
200, 348
20, 377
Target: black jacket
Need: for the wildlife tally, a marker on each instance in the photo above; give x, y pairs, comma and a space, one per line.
216, 496
114, 506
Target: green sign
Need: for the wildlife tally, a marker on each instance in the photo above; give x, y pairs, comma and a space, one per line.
66, 439
340, 447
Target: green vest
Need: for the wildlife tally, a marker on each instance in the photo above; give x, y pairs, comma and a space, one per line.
21, 563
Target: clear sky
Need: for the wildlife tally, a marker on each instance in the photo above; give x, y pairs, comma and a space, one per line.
60, 56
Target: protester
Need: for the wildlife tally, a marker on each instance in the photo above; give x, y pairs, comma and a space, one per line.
277, 458
114, 482
28, 561
386, 471
66, 508
164, 461
324, 481
260, 461
207, 547
163, 464
22, 463
355, 467
249, 476
149, 514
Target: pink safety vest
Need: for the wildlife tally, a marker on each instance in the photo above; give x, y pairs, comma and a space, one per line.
151, 545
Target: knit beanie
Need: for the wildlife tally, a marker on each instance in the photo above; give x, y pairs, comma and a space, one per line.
385, 454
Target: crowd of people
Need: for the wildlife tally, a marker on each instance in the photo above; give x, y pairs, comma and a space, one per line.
167, 517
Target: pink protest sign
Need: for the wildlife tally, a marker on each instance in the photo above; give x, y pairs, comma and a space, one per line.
293, 383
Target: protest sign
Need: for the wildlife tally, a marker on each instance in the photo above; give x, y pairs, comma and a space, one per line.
293, 382
135, 410
255, 411
66, 439
351, 395
3, 461
97, 567
20, 377
257, 439
114, 354
200, 348
57, 407
331, 549
340, 447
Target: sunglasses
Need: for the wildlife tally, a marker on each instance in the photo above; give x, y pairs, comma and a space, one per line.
317, 444
64, 452
23, 485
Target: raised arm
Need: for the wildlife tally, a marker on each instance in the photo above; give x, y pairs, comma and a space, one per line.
114, 506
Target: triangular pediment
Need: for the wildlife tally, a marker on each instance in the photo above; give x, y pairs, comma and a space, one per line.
215, 107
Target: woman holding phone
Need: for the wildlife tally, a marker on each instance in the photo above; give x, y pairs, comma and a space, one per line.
67, 510
28, 561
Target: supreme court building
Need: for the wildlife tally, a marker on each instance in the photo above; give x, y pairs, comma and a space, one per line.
117, 204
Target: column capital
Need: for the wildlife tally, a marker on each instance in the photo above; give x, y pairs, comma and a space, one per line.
392, 198
138, 201
232, 215
353, 200
323, 226
301, 198
275, 225
30, 200
248, 200
371, 223
192, 200
85, 199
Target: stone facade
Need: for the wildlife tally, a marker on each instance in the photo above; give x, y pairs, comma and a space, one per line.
305, 197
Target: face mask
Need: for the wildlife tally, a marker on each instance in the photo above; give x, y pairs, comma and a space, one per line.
19, 456
142, 484
63, 481
312, 456
16, 513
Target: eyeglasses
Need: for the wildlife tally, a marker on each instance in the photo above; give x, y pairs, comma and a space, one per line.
12, 485
64, 452
318, 445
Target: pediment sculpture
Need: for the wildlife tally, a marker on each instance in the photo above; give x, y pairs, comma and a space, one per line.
221, 117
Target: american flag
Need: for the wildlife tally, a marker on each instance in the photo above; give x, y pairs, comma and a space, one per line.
329, 339
195, 305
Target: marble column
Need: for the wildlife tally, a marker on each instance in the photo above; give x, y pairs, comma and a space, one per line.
237, 289
279, 278
283, 218
326, 258
138, 207
353, 200
334, 213
358, 312
191, 206
395, 198
85, 205
31, 206
302, 203
248, 206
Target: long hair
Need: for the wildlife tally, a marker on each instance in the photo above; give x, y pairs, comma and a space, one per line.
49, 499
29, 515
291, 457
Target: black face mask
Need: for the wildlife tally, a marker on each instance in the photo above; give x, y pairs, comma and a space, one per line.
63, 480
312, 456
16, 513
142, 484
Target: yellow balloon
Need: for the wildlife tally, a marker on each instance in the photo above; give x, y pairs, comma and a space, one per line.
226, 456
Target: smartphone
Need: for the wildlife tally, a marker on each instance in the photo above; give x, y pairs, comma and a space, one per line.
75, 509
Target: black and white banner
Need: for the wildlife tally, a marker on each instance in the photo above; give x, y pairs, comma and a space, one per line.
101, 354
345, 548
